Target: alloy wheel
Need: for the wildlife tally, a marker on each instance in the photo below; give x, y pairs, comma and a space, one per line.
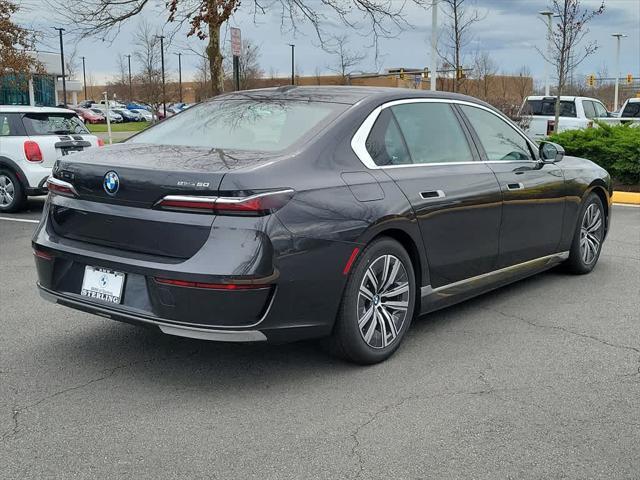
591, 234
7, 191
383, 301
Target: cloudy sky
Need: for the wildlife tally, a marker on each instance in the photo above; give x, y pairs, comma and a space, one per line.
509, 32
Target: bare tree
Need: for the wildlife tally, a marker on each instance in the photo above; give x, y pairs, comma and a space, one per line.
524, 85
566, 38
346, 58
120, 83
250, 69
71, 62
104, 18
147, 53
484, 70
457, 34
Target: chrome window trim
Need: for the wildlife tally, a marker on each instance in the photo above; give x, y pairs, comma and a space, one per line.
359, 139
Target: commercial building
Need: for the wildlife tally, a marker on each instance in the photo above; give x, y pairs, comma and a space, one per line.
40, 89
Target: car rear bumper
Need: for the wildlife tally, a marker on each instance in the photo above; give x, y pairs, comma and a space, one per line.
76, 302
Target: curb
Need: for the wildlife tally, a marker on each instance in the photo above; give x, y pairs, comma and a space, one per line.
632, 198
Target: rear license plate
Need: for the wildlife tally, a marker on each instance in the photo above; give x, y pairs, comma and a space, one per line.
70, 151
103, 284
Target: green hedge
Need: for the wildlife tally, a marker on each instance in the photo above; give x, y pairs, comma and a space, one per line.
614, 147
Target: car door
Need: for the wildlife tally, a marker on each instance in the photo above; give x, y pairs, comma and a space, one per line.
533, 192
423, 146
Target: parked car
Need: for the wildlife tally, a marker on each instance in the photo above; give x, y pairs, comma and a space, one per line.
630, 109
86, 103
300, 212
128, 115
138, 106
88, 115
113, 116
145, 114
575, 113
31, 138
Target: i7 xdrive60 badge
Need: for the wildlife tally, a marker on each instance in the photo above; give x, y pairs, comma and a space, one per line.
111, 183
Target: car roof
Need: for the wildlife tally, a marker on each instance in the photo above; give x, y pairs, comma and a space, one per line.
29, 109
562, 97
342, 94
633, 100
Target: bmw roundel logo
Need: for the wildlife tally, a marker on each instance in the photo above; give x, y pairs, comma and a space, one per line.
111, 183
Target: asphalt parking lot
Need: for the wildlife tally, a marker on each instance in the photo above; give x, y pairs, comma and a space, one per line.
537, 380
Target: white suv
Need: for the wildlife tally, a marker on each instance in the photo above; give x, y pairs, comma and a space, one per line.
31, 138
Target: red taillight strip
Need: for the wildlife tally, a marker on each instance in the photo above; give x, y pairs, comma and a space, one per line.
42, 255
61, 187
210, 286
259, 203
352, 258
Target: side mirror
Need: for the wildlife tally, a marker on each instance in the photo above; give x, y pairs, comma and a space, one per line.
551, 152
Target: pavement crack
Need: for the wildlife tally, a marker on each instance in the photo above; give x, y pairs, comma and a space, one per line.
107, 373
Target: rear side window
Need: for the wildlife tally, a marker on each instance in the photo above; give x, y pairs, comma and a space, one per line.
432, 132
9, 125
547, 107
385, 143
632, 110
252, 124
53, 124
499, 139
589, 109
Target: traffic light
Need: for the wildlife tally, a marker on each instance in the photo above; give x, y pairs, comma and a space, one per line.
402, 74
591, 80
629, 78
460, 73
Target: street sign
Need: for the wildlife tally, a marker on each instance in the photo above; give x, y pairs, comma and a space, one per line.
236, 42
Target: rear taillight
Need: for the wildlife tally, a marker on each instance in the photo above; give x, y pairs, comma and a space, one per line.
61, 187
100, 142
42, 254
32, 151
254, 205
210, 286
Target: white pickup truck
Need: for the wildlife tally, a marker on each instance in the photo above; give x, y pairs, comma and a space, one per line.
575, 113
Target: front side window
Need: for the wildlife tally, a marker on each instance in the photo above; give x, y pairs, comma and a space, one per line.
601, 112
53, 124
251, 124
499, 139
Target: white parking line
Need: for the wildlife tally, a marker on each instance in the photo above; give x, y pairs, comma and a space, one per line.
23, 220
626, 205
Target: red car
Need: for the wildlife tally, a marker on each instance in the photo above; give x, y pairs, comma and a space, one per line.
89, 116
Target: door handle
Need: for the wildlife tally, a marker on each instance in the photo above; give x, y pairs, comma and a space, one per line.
515, 186
432, 194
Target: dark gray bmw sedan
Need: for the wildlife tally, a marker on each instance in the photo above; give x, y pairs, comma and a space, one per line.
291, 213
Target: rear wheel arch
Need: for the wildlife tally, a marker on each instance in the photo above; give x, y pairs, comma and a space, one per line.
408, 243
7, 163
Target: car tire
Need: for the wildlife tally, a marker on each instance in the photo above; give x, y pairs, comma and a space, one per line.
12, 194
371, 324
588, 237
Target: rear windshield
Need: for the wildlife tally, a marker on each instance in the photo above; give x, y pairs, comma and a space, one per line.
52, 124
548, 107
267, 125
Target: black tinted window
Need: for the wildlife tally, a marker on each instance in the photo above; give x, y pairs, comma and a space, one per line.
547, 107
432, 132
385, 143
499, 139
632, 110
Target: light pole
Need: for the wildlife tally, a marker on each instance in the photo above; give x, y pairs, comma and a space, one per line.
434, 44
549, 14
618, 37
130, 88
64, 82
293, 60
164, 101
84, 80
180, 74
